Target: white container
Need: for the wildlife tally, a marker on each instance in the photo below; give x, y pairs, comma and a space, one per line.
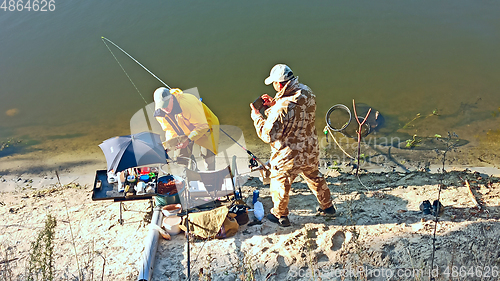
171, 210
140, 188
149, 189
171, 224
112, 178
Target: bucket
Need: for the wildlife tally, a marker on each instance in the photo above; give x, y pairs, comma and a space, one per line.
171, 224
171, 210
163, 200
169, 198
242, 218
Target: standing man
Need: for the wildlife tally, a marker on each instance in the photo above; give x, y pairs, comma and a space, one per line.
290, 130
186, 120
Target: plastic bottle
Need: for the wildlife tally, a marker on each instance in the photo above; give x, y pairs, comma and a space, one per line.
112, 177
258, 210
255, 196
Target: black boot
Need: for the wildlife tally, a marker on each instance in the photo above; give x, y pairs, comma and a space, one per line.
437, 208
330, 211
425, 207
282, 221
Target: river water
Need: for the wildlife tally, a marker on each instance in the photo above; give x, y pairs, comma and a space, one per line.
61, 89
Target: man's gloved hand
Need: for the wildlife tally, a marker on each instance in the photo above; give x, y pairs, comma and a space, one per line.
183, 142
268, 100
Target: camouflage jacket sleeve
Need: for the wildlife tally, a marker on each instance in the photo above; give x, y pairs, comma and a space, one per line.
271, 129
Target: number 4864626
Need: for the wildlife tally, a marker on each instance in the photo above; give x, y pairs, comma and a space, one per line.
35, 5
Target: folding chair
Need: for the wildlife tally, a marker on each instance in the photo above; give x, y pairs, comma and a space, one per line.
212, 181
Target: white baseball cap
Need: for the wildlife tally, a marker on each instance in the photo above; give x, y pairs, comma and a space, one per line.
162, 97
279, 73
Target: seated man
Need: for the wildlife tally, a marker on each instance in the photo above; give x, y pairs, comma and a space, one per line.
186, 120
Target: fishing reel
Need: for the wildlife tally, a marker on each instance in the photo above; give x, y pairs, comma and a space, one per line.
253, 162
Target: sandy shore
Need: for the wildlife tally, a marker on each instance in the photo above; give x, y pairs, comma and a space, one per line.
379, 228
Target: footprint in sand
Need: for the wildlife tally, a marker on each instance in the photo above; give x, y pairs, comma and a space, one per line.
337, 240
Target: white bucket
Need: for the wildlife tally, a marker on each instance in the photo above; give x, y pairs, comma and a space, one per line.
171, 210
171, 224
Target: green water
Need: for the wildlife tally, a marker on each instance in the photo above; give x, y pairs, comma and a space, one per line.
59, 82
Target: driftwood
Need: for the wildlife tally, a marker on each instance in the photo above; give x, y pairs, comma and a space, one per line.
473, 197
7, 261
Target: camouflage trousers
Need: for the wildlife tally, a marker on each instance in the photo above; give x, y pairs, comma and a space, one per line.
281, 182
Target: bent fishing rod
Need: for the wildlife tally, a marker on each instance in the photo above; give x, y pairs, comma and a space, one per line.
104, 39
118, 47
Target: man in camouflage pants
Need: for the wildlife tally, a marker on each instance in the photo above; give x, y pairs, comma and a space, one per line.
290, 130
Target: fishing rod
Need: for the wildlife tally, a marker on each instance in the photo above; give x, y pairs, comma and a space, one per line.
104, 38
253, 161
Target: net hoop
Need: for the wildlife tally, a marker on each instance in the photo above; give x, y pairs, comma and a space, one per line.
333, 108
